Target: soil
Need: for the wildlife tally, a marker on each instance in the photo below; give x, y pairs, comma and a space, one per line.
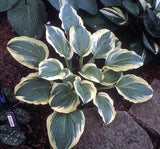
11, 72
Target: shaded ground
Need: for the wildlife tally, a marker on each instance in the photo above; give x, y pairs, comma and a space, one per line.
11, 73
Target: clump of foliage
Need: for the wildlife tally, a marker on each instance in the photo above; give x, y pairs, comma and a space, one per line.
142, 16
10, 119
67, 89
27, 17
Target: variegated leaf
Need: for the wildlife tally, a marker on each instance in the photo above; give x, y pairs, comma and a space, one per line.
57, 40
63, 98
65, 130
91, 72
115, 15
123, 60
52, 69
110, 77
105, 107
85, 89
80, 40
102, 42
69, 18
28, 51
134, 88
33, 89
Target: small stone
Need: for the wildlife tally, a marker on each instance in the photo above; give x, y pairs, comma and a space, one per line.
122, 133
148, 113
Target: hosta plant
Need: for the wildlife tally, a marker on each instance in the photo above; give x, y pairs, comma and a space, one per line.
27, 17
141, 16
67, 88
11, 119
